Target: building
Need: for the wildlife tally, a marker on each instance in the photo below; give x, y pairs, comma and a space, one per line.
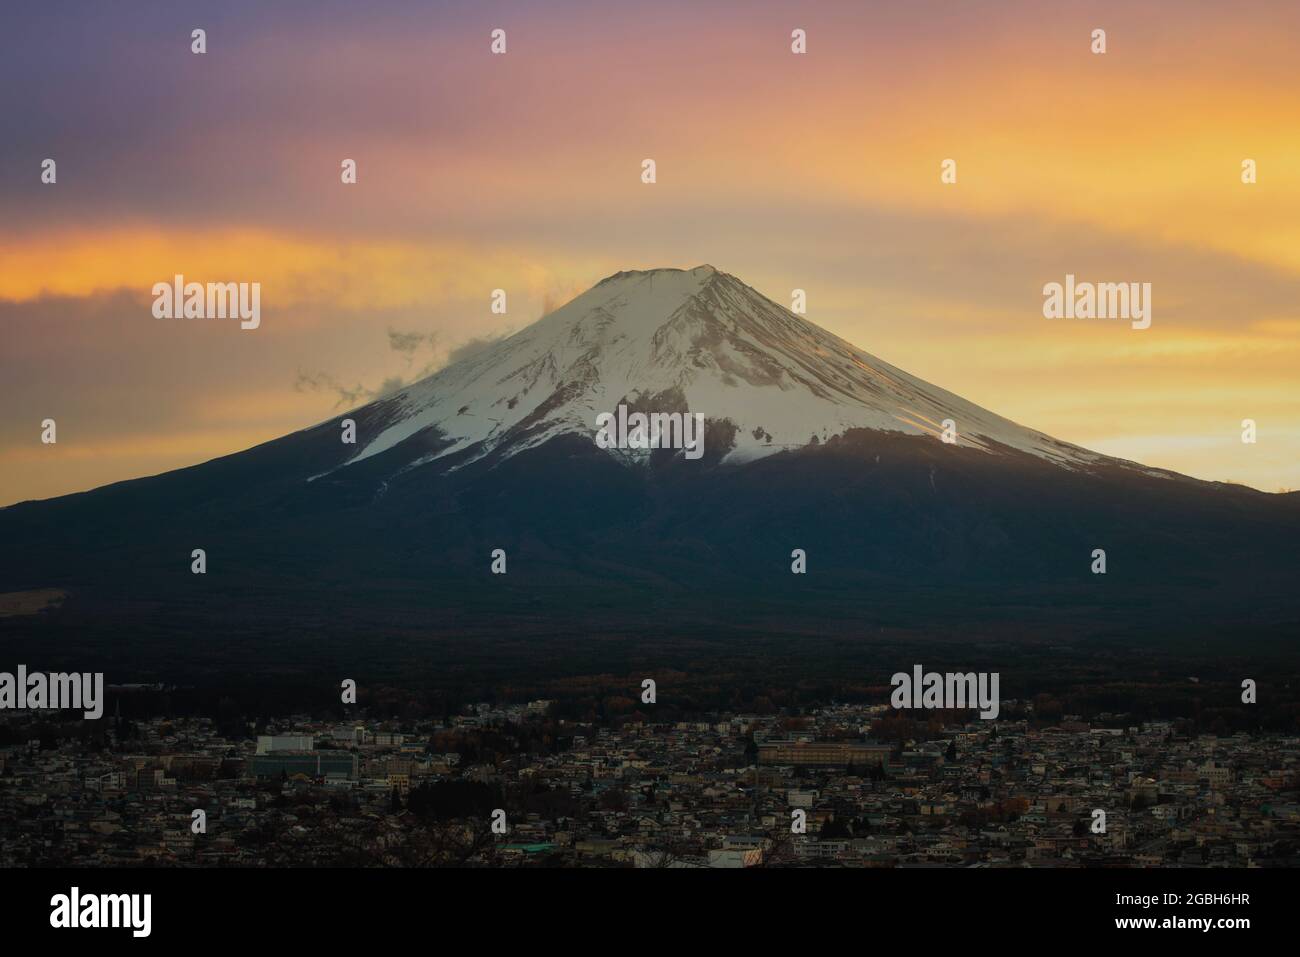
823, 753
314, 764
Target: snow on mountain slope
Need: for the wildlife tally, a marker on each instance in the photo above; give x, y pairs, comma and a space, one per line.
694, 340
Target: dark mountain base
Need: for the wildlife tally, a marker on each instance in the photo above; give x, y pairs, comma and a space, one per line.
906, 539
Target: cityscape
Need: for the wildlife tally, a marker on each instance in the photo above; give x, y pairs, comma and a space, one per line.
835, 786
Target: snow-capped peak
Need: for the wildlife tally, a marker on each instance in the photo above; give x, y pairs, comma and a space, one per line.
677, 340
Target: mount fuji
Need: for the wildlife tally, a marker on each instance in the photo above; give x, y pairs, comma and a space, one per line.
810, 444
678, 340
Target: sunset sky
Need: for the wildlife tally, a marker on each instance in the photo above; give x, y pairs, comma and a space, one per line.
522, 171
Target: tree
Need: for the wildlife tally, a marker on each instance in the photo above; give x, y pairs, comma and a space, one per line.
835, 829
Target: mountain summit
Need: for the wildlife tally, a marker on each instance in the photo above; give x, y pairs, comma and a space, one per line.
321, 550
674, 340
